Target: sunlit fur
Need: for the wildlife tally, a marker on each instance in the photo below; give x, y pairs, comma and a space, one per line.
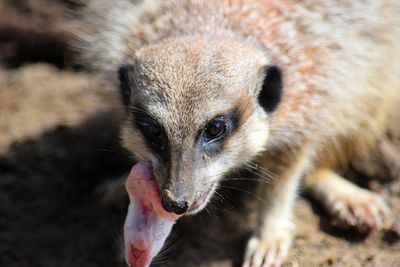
340, 65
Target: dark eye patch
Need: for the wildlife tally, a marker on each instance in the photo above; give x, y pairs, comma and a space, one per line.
154, 135
151, 129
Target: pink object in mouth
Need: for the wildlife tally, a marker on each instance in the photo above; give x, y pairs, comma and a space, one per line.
147, 224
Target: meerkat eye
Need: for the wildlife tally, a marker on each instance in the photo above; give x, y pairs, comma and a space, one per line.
215, 128
154, 130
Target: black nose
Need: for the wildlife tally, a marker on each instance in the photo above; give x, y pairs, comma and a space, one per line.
171, 204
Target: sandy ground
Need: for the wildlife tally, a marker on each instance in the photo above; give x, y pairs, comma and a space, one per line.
59, 146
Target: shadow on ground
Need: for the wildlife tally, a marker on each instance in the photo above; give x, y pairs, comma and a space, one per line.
50, 213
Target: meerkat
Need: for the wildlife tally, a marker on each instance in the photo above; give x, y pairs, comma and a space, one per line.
300, 87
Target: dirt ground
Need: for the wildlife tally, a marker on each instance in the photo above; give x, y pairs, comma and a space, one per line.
59, 146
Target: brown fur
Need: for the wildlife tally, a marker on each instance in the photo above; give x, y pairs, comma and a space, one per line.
198, 59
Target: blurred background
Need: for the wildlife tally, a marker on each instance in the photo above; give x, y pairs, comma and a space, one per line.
59, 147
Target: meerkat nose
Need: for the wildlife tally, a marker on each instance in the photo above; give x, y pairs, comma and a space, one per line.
171, 204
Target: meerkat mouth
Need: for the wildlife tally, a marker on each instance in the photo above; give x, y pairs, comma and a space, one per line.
202, 201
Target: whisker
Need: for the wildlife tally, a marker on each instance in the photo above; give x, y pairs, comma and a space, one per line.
261, 170
244, 191
222, 199
257, 179
138, 110
211, 209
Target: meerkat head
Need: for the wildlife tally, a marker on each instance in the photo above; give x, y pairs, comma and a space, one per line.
196, 108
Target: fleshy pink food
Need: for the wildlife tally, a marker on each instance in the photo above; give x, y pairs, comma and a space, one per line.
147, 224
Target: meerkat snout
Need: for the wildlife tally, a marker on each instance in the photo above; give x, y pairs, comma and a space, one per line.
173, 204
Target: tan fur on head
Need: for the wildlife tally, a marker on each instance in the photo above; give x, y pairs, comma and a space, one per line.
184, 83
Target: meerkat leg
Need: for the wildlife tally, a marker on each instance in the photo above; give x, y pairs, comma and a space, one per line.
272, 238
350, 205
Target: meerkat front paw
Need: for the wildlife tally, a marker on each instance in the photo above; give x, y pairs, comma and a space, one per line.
270, 247
350, 205
356, 207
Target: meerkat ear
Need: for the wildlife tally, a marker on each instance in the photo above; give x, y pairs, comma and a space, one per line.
125, 76
271, 90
